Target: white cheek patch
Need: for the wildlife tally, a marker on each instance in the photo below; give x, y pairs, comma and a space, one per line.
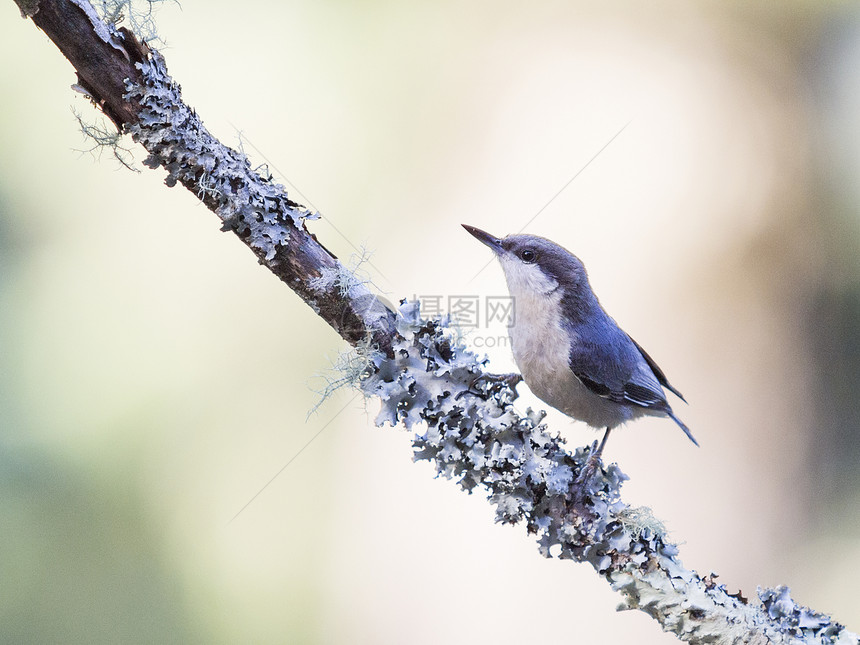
526, 278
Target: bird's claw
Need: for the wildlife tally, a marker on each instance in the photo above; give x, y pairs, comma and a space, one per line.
589, 469
511, 380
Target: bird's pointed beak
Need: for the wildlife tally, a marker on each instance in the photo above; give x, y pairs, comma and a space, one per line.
493, 242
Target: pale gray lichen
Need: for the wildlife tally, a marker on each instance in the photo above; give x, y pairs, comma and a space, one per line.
338, 277
463, 421
139, 15
350, 280
101, 29
207, 188
104, 137
349, 369
798, 620
640, 520
257, 209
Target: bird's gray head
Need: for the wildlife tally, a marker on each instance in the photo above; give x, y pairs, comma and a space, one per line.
536, 265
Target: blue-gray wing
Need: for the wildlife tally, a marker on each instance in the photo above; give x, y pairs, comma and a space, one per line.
657, 371
613, 366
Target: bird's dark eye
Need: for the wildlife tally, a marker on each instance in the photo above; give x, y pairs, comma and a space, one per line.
528, 256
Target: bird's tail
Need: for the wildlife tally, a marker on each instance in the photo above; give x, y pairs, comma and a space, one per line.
683, 427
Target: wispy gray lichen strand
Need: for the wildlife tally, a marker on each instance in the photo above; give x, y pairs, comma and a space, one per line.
468, 428
176, 139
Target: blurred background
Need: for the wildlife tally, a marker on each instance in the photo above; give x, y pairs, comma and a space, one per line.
160, 478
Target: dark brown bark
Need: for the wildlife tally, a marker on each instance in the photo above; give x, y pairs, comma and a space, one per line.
102, 61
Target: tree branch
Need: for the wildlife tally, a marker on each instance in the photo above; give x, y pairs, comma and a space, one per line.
129, 81
463, 418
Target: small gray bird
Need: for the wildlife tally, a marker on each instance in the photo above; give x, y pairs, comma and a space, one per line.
571, 353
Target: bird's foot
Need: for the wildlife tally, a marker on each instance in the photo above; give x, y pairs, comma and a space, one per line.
592, 464
511, 380
584, 480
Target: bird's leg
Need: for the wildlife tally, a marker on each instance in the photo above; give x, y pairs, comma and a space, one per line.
599, 452
591, 465
511, 380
